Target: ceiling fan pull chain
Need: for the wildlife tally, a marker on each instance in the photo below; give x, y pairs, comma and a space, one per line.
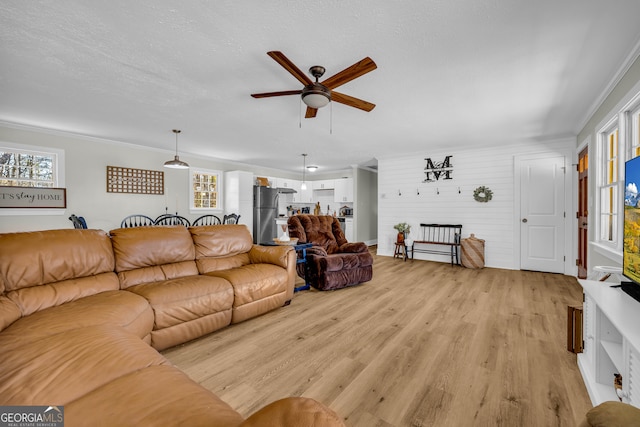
331, 118
300, 114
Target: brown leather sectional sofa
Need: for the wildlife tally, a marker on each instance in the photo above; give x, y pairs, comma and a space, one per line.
83, 314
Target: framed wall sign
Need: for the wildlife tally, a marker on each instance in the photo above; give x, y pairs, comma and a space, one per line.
33, 197
136, 181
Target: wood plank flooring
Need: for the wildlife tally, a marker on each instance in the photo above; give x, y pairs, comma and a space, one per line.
422, 344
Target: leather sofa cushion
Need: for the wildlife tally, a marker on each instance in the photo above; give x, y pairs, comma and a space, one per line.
9, 312
157, 273
155, 396
112, 308
184, 299
63, 367
36, 298
294, 411
221, 240
40, 257
254, 282
141, 247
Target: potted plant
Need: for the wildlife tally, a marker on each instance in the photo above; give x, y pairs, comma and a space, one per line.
403, 229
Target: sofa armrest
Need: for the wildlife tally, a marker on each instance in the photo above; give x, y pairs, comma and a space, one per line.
294, 411
354, 247
609, 414
277, 255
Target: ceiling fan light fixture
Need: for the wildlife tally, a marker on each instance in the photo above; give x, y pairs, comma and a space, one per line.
312, 168
315, 95
176, 163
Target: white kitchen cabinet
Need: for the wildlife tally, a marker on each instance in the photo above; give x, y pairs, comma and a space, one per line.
324, 184
305, 196
284, 183
611, 343
348, 229
343, 191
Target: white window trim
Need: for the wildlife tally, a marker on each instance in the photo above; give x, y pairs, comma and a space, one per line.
59, 178
195, 211
601, 142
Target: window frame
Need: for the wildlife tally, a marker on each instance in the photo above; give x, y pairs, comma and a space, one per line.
193, 173
604, 162
58, 173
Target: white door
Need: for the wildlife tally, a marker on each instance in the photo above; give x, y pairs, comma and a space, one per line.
542, 215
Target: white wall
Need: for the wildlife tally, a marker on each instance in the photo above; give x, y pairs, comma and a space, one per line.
86, 160
403, 197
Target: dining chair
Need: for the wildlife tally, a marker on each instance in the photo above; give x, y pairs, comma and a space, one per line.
207, 220
172, 220
231, 219
137, 220
78, 222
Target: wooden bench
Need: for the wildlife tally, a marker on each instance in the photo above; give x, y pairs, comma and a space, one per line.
445, 236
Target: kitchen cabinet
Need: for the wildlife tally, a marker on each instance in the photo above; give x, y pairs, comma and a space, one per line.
324, 184
305, 196
348, 229
284, 183
343, 191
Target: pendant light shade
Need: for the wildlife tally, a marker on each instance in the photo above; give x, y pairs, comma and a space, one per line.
176, 163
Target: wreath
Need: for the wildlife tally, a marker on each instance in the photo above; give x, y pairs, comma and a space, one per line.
482, 194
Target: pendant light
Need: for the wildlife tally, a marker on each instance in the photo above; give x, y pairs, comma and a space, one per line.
303, 186
176, 163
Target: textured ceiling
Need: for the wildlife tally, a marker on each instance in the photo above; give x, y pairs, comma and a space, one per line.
449, 72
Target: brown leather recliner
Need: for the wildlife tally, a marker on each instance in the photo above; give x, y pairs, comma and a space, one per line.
332, 262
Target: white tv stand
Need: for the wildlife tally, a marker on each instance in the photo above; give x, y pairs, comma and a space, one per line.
611, 333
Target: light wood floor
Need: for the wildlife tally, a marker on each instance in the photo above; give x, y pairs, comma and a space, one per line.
422, 344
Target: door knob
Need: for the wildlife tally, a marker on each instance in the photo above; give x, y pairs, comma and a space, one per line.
584, 224
524, 219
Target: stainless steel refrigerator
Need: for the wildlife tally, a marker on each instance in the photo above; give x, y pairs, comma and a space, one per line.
265, 212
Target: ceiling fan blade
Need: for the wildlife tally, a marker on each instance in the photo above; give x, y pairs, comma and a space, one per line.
356, 70
351, 101
281, 93
290, 67
311, 113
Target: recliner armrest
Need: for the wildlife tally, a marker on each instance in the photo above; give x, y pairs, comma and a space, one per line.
355, 247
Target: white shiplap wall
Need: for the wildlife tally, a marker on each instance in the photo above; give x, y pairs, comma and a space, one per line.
403, 197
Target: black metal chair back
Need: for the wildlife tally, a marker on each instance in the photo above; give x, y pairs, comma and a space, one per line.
78, 222
172, 220
231, 219
207, 220
137, 221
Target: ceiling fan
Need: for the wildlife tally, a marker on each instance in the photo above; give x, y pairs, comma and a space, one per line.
318, 94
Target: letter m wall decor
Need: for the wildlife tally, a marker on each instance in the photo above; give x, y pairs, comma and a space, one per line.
434, 171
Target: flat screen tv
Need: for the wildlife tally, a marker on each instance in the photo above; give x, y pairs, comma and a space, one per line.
631, 236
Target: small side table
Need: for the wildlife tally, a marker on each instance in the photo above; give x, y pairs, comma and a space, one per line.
301, 250
400, 251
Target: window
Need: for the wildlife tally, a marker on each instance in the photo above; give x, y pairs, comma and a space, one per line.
21, 168
609, 186
205, 194
31, 166
634, 135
